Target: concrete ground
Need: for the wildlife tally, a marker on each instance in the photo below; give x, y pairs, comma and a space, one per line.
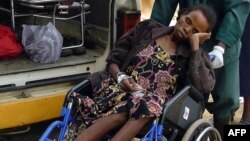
237, 116
30, 133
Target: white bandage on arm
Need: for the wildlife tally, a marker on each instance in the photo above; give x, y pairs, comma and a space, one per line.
121, 76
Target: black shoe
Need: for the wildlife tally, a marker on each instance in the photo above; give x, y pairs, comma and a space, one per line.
79, 50
66, 52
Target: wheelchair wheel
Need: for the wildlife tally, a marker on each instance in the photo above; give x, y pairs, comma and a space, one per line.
201, 130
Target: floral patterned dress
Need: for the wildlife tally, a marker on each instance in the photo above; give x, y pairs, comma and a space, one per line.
153, 69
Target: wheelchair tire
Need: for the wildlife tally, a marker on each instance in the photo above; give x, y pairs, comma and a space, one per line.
196, 129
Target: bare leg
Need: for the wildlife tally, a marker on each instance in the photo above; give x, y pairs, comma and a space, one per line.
102, 126
130, 129
246, 109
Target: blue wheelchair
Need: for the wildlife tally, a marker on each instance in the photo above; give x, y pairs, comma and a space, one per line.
181, 119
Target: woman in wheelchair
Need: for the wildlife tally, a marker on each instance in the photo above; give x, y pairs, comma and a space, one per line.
146, 67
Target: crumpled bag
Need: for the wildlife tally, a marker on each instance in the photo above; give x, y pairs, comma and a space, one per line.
42, 43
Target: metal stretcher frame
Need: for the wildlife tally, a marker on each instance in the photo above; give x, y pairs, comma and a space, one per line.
39, 4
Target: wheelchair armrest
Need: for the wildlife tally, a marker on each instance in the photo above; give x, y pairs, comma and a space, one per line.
83, 88
196, 94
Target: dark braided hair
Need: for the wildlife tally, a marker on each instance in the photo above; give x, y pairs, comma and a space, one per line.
207, 11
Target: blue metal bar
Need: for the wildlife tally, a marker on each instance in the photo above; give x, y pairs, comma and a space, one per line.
150, 135
159, 131
51, 127
66, 120
66, 113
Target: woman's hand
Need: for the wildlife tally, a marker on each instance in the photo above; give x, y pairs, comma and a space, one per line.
129, 85
197, 39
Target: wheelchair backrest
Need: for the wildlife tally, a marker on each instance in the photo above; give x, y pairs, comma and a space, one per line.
182, 110
83, 88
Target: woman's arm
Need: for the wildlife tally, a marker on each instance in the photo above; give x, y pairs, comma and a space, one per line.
200, 72
123, 46
114, 70
126, 83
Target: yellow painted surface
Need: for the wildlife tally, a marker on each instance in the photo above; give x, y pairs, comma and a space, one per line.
30, 110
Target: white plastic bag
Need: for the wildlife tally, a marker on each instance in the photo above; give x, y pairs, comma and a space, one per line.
42, 43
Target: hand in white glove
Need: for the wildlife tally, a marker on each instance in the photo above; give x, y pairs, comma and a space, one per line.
216, 57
